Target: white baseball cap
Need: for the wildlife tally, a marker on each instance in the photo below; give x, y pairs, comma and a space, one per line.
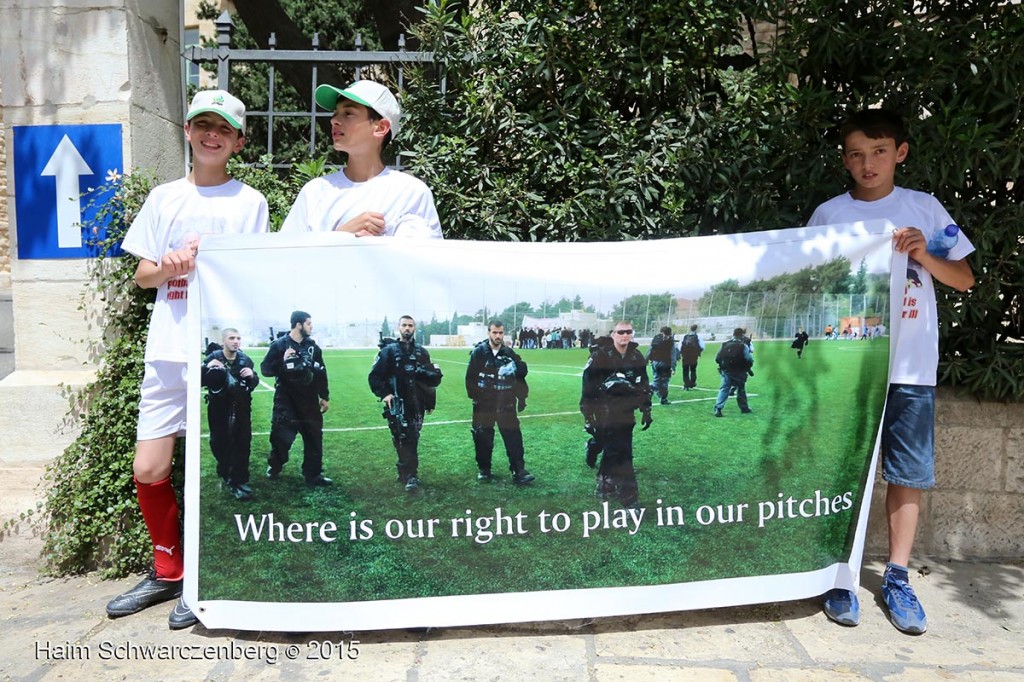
222, 103
368, 93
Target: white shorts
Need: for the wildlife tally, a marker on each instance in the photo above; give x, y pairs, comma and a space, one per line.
164, 400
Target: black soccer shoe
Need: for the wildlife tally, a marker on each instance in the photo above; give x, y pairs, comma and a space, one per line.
411, 484
523, 477
319, 481
147, 593
181, 616
484, 475
240, 493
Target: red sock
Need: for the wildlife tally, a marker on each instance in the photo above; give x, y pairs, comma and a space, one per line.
160, 510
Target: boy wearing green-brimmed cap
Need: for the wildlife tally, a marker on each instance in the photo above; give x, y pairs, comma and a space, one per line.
165, 236
365, 198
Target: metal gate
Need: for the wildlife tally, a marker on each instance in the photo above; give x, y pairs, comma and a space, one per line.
224, 57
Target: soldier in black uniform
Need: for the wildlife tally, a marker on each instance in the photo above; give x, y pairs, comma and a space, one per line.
801, 340
405, 380
594, 447
663, 357
735, 360
496, 383
301, 397
615, 384
229, 379
690, 349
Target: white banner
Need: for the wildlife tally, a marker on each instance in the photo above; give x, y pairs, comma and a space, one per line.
752, 507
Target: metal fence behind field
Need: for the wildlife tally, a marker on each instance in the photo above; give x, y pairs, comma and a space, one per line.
774, 314
765, 315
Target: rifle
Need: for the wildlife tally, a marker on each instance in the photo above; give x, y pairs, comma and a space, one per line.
395, 414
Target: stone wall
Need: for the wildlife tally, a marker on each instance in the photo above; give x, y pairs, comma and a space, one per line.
68, 62
5, 224
6, 302
976, 510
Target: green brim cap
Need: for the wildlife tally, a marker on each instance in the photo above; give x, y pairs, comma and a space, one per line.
370, 94
219, 102
220, 112
326, 97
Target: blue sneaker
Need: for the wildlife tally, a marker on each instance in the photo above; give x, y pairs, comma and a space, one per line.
905, 610
842, 606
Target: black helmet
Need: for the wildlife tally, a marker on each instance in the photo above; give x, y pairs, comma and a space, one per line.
618, 386
216, 379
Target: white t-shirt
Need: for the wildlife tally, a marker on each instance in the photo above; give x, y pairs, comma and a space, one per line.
174, 214
406, 202
915, 357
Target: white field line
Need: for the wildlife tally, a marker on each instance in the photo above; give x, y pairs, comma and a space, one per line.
449, 422
713, 391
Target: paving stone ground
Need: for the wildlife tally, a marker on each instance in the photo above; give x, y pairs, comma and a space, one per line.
56, 629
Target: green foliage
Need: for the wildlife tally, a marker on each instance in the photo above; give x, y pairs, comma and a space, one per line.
812, 297
279, 188
565, 305
513, 315
832, 277
304, 171
90, 511
581, 121
559, 122
263, 177
647, 312
953, 71
12, 525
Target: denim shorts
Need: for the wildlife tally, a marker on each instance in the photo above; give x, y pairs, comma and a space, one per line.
908, 436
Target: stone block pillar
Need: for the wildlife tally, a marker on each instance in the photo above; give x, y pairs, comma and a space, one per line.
76, 62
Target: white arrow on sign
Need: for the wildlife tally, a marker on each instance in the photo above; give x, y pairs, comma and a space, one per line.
66, 165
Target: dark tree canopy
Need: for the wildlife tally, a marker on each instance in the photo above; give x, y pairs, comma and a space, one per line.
610, 120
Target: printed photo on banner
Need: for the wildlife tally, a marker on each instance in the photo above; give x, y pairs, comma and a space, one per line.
394, 434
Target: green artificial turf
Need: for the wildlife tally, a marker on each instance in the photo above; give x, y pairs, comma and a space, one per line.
810, 436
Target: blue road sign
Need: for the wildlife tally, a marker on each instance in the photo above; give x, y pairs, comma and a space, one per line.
58, 175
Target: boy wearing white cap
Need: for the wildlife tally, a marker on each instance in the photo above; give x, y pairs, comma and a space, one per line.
165, 236
366, 198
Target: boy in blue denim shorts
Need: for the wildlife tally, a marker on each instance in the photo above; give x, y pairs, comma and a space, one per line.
874, 143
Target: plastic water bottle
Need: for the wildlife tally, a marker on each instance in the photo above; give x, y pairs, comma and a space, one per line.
941, 242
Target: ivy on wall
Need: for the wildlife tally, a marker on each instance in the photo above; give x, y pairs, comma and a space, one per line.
91, 516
